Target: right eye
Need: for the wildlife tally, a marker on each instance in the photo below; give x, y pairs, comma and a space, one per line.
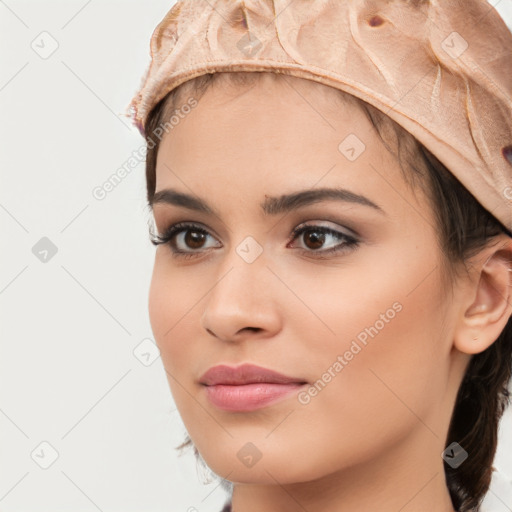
183, 236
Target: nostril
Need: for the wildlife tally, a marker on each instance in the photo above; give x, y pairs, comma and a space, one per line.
375, 21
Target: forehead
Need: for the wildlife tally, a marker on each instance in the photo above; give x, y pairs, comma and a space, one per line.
269, 101
278, 133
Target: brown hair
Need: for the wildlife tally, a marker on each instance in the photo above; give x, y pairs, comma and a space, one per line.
464, 228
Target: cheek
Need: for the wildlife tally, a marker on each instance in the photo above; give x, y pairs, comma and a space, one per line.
394, 361
173, 320
171, 308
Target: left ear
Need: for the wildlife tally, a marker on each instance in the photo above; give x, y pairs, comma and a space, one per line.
488, 307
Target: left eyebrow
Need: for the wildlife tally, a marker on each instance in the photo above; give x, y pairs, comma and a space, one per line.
272, 205
289, 202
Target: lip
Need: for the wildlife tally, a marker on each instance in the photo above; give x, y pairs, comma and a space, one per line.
245, 374
247, 387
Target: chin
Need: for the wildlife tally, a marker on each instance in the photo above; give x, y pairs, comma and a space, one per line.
261, 462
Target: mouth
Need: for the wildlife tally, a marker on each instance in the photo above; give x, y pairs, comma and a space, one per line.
247, 387
249, 397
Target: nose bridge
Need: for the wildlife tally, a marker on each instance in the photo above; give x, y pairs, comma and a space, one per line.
243, 270
240, 297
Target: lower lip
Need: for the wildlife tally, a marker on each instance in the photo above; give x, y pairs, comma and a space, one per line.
248, 397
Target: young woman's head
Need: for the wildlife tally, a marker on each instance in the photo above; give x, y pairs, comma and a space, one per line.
322, 241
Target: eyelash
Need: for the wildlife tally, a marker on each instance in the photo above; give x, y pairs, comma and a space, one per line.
350, 243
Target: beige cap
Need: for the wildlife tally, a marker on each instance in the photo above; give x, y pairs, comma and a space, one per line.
442, 69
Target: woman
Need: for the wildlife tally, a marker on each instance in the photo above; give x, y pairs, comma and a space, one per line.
331, 184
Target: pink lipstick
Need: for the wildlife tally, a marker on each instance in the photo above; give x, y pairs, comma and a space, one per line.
247, 387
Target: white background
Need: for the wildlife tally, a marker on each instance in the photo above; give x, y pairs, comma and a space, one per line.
68, 373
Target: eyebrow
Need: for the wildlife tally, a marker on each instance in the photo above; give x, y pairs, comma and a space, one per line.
271, 205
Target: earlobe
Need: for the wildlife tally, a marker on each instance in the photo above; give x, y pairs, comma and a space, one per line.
484, 319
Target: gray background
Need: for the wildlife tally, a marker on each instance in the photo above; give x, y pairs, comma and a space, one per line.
74, 326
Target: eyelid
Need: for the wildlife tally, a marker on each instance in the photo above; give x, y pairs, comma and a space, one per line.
340, 227
182, 219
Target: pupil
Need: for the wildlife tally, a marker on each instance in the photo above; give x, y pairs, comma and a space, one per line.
317, 239
193, 237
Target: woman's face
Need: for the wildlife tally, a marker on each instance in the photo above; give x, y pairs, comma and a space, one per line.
367, 327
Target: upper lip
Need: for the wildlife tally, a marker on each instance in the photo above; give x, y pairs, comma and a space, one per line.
245, 374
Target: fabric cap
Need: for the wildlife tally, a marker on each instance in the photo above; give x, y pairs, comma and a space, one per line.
441, 69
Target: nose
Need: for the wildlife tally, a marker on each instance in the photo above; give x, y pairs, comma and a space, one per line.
242, 302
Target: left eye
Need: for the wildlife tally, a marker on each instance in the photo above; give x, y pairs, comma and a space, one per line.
317, 235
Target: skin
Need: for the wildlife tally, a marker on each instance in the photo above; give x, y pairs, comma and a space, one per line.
372, 438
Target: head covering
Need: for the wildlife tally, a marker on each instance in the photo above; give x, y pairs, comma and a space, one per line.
441, 69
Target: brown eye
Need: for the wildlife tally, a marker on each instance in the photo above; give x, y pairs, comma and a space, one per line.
318, 241
186, 240
314, 239
194, 239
